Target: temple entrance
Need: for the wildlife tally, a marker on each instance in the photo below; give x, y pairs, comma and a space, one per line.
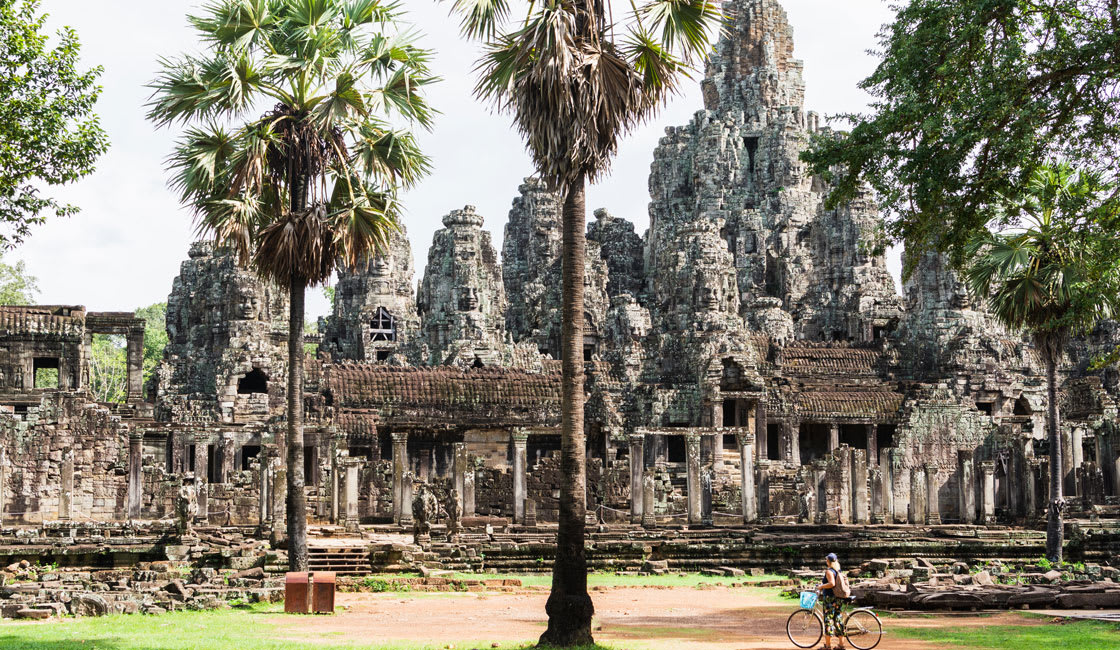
813, 441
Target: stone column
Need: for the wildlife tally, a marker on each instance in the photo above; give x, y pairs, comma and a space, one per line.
860, 505
3, 484
135, 362
872, 446
1068, 467
764, 487
933, 509
459, 462
400, 468
820, 471
350, 492
692, 459
66, 488
791, 442
760, 431
917, 495
891, 462
336, 469
262, 511
226, 466
406, 498
844, 456
648, 520
201, 476
707, 476
468, 491
967, 486
1116, 475
1030, 488
520, 439
1078, 449
878, 513
988, 493
833, 436
135, 473
637, 470
746, 477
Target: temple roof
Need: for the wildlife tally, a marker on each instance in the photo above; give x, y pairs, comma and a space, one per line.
865, 403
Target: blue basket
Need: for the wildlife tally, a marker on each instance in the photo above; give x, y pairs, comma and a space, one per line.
808, 599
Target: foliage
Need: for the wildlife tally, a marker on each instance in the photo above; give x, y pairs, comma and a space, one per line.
108, 368
972, 96
1058, 270
574, 81
49, 133
155, 336
17, 286
314, 178
328, 291
46, 378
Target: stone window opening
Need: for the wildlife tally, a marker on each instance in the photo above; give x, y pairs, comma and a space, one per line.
1022, 406
192, 451
878, 332
365, 453
383, 327
311, 465
212, 469
730, 442
383, 355
45, 371
884, 435
735, 413
853, 435
248, 453
478, 363
750, 143
675, 449
985, 408
254, 382
813, 441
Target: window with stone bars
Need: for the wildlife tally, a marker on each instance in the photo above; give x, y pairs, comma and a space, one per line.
383, 327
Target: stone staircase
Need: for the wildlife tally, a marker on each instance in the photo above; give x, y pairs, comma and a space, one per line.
343, 560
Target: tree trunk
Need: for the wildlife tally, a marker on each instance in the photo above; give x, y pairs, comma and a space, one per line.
569, 607
1054, 523
297, 499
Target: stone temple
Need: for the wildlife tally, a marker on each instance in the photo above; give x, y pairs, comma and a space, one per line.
749, 360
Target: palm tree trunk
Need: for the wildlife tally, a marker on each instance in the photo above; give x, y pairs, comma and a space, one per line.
569, 607
1054, 523
297, 500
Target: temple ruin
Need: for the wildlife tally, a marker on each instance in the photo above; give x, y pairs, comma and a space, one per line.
749, 361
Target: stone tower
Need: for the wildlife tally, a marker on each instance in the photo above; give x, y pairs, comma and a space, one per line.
374, 312
462, 302
801, 270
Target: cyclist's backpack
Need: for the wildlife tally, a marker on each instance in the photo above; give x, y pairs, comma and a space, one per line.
842, 588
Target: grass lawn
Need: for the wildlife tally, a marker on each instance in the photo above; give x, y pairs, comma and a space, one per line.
1071, 635
238, 629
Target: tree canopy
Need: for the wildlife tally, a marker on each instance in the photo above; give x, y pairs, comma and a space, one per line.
971, 97
48, 132
17, 286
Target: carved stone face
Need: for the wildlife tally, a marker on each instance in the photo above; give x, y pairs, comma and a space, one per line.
248, 306
381, 266
709, 291
467, 298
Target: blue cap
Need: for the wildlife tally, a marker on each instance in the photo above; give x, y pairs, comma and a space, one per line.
831, 557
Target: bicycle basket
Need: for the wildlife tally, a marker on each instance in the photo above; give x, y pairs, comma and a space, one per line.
808, 599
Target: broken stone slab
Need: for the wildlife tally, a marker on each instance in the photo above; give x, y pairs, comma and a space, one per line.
1102, 600
34, 614
88, 605
983, 578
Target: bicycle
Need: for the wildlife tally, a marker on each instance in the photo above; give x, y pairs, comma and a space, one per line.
805, 627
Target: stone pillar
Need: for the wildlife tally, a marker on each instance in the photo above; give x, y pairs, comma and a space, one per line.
460, 462
820, 471
350, 492
226, 466
844, 456
878, 512
746, 477
764, 487
406, 497
3, 484
135, 362
988, 492
648, 520
1068, 467
917, 495
860, 506
135, 474
762, 438
1030, 488
933, 507
66, 487
520, 439
637, 471
892, 472
1078, 449
1116, 475
707, 476
967, 486
336, 469
262, 505
692, 461
872, 445
202, 476
400, 468
791, 442
833, 436
468, 492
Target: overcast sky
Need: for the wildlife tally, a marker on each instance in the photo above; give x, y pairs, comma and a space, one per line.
124, 248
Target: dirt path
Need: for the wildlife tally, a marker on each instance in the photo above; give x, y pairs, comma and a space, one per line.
630, 618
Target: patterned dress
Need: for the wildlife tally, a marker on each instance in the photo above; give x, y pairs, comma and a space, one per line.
832, 610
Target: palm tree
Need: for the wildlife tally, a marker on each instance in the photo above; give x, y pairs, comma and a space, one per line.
309, 180
574, 88
1053, 275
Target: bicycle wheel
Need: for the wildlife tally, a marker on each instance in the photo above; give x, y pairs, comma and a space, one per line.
804, 628
863, 629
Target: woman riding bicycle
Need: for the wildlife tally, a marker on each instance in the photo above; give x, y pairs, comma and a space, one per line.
831, 602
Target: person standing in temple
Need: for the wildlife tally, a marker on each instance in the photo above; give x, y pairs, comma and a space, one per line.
834, 592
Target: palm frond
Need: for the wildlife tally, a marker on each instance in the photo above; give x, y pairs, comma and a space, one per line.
481, 18
685, 25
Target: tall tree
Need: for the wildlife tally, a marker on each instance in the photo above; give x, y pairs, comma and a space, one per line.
155, 336
971, 96
49, 133
313, 180
575, 84
17, 286
108, 368
1055, 274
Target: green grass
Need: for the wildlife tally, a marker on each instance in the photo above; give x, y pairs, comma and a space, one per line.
1071, 635
238, 629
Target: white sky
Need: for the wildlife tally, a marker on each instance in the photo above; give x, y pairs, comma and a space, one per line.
124, 248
